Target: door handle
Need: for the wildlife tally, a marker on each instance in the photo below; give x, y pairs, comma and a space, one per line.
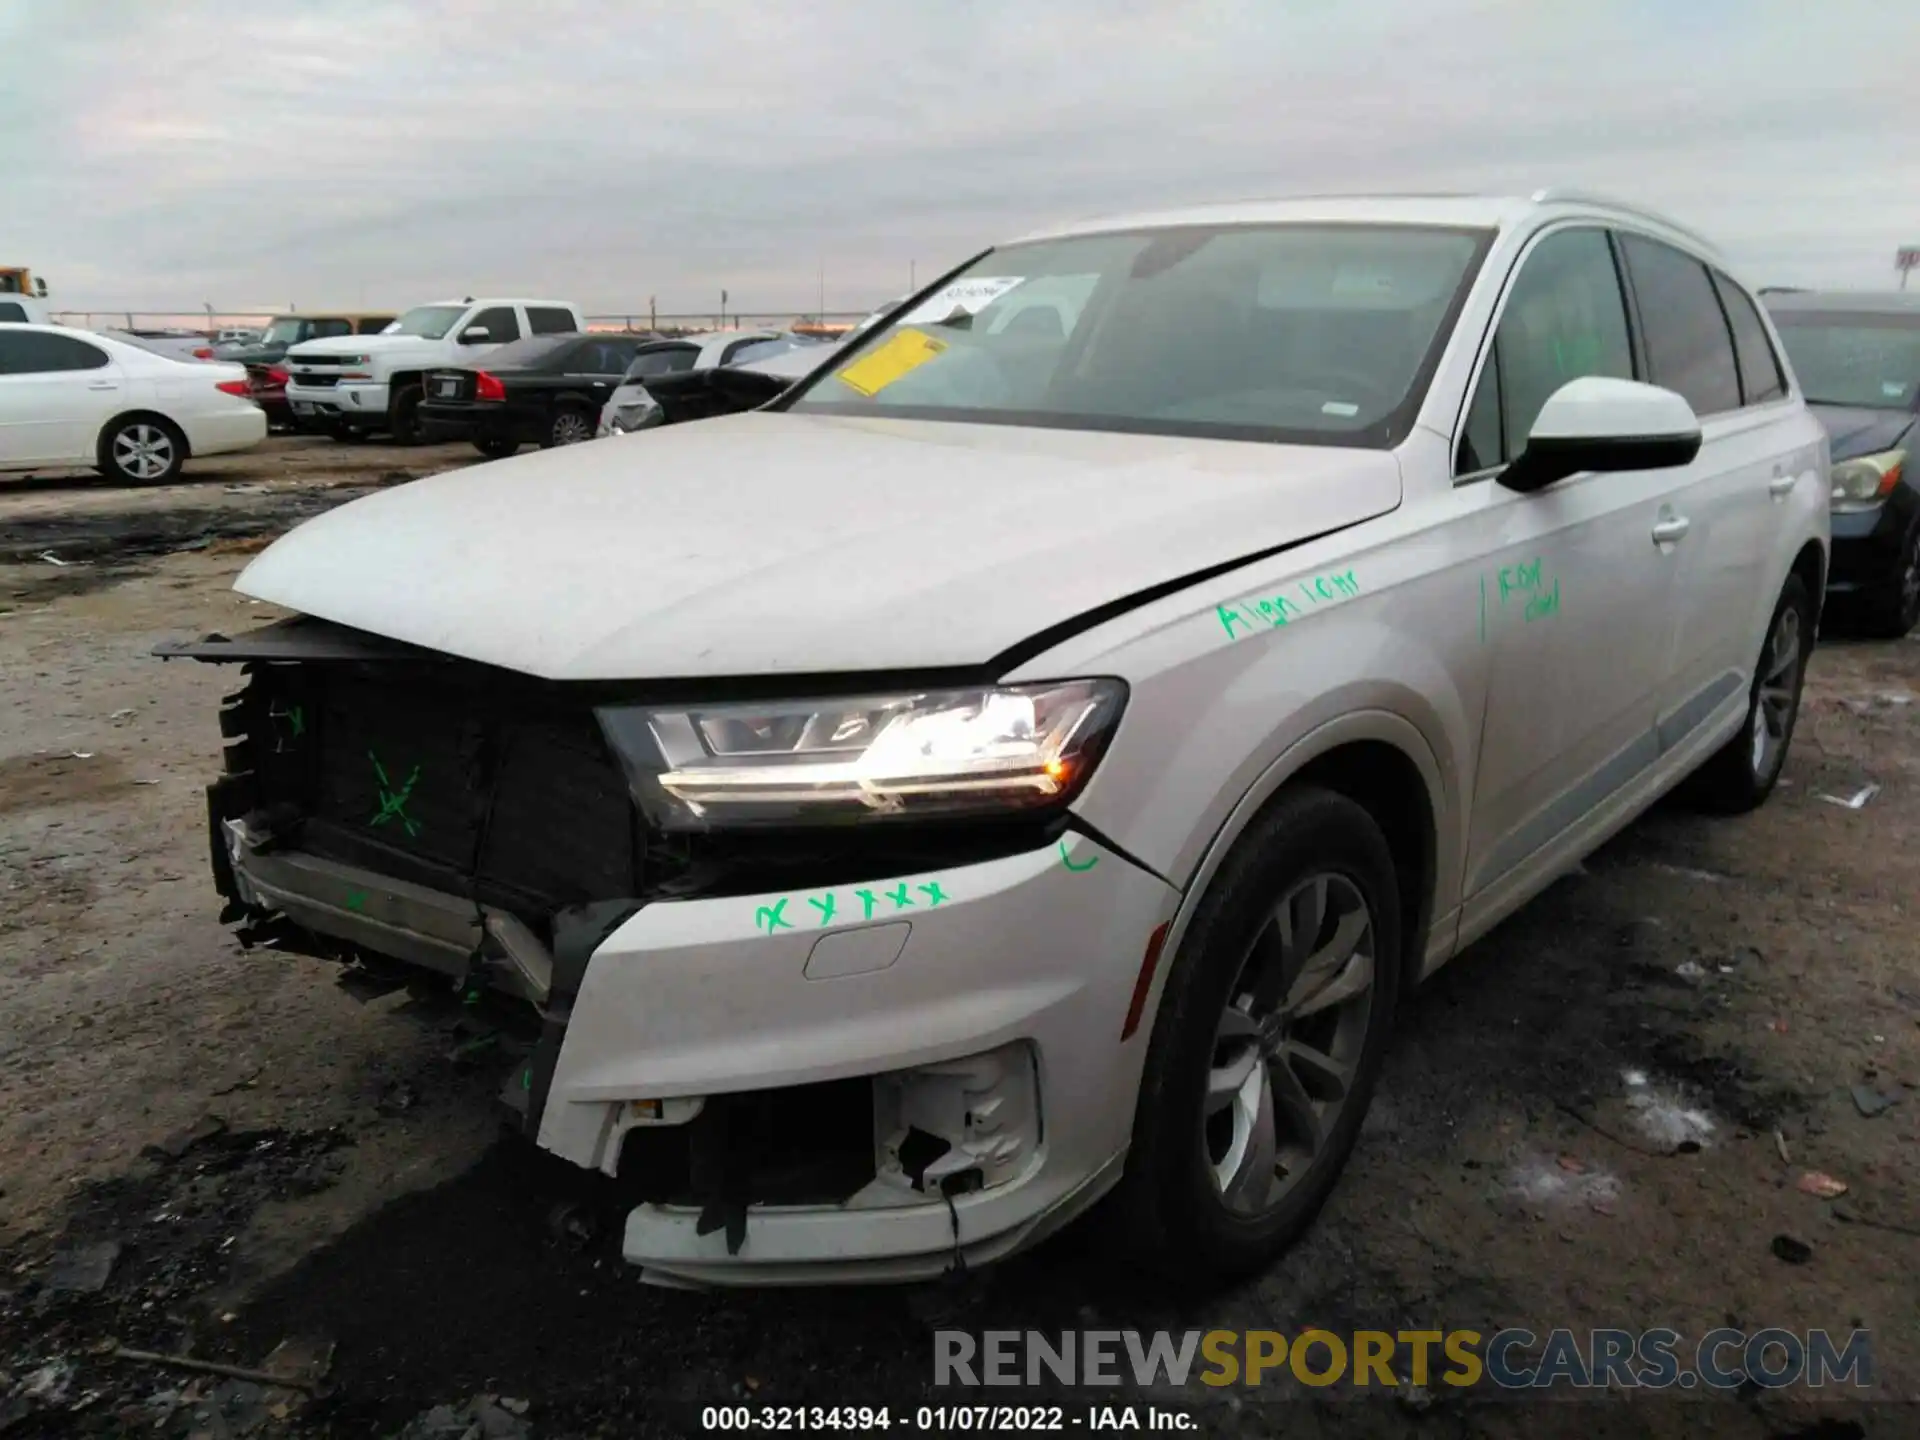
1782, 485
103, 384
1668, 531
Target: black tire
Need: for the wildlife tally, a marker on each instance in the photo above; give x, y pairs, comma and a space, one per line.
497, 447
1170, 1206
403, 416
1896, 609
1741, 774
141, 450
570, 426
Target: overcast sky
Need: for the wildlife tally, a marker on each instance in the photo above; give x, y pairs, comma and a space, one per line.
383, 152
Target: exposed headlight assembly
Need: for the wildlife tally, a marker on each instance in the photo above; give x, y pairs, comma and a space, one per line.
908, 754
1865, 482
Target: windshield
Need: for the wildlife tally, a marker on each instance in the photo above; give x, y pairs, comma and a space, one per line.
429, 322
1314, 333
284, 332
1867, 360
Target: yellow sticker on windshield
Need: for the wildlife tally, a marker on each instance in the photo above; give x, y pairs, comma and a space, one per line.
876, 370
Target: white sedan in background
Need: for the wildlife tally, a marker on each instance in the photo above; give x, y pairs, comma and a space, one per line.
74, 398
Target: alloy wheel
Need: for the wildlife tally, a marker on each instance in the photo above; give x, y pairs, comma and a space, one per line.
143, 451
1779, 685
570, 428
1289, 1042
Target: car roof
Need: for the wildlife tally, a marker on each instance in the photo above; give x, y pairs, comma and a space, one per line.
1454, 211
1847, 302
486, 300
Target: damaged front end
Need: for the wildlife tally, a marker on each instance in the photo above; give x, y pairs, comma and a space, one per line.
388, 805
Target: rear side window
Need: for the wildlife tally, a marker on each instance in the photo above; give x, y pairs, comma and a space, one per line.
661, 362
33, 352
1689, 349
745, 352
1760, 377
326, 329
1564, 319
605, 357
13, 310
550, 320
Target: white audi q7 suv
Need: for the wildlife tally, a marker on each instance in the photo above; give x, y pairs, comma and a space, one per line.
1034, 756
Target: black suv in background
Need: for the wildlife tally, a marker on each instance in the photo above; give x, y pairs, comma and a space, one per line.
285, 331
1857, 357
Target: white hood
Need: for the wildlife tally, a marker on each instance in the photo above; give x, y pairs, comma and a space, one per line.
362, 345
769, 543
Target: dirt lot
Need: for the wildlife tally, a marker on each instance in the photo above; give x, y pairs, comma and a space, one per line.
1598, 1118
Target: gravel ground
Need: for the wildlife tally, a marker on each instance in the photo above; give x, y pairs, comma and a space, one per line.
1598, 1117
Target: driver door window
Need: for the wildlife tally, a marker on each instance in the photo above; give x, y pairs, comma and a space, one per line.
500, 324
1564, 319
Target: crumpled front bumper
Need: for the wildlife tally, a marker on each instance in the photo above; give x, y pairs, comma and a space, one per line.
984, 1005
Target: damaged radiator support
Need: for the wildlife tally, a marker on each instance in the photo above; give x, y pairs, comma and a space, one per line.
384, 808
320, 846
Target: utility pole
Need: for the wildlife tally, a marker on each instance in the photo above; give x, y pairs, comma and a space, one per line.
723, 311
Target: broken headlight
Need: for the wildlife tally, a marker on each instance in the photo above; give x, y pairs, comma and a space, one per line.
908, 754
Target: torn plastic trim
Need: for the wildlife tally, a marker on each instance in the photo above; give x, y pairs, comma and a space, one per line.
396, 918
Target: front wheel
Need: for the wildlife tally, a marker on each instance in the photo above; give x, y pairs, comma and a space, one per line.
1741, 774
1269, 1039
141, 451
403, 416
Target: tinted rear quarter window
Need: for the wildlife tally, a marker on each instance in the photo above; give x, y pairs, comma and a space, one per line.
661, 362
1760, 377
550, 320
33, 352
1689, 349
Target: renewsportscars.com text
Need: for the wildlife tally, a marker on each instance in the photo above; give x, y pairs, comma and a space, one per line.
1510, 1359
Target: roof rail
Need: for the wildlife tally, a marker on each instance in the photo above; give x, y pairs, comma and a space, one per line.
1572, 195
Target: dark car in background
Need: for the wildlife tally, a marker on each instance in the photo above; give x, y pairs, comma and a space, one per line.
633, 406
262, 355
286, 331
1857, 357
545, 390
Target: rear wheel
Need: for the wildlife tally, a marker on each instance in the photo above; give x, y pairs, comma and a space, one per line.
1896, 610
403, 415
496, 447
142, 450
570, 427
1741, 774
1267, 1045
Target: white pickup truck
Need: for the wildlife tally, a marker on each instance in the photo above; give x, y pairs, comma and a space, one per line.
352, 385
